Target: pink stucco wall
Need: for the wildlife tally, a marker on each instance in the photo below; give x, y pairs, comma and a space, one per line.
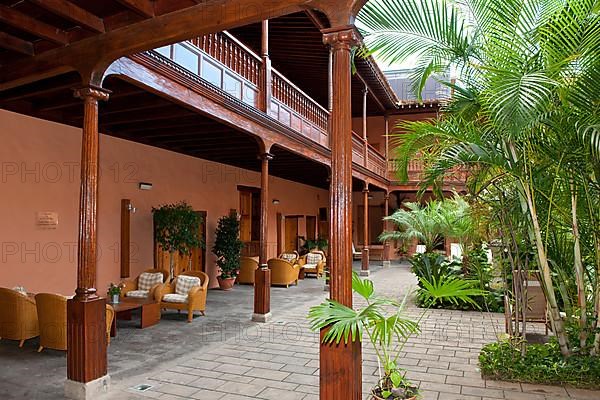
39, 171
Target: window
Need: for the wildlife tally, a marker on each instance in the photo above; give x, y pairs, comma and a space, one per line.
211, 72
186, 58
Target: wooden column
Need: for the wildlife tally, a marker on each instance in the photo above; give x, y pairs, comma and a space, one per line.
86, 312
364, 126
262, 277
340, 365
266, 86
386, 244
364, 269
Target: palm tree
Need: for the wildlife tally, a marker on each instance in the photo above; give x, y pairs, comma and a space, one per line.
525, 115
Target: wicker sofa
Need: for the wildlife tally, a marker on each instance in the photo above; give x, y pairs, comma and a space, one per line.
313, 263
248, 267
145, 285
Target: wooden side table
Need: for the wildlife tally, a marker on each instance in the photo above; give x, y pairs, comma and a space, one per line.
150, 312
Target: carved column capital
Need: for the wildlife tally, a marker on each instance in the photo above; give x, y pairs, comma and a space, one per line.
87, 92
343, 37
366, 187
266, 156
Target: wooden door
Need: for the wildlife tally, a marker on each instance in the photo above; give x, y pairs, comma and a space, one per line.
291, 234
311, 227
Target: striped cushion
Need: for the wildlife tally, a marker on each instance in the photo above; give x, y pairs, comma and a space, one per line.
138, 294
175, 298
313, 258
149, 279
186, 283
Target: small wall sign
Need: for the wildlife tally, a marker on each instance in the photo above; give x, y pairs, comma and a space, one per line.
47, 219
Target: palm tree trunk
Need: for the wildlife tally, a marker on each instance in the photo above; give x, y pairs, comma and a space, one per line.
579, 272
557, 322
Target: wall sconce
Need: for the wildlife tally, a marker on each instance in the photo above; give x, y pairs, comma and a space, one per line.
145, 186
275, 201
370, 197
131, 208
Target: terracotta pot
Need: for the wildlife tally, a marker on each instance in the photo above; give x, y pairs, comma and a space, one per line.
225, 284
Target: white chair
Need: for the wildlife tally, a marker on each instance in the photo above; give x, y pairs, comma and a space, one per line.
356, 255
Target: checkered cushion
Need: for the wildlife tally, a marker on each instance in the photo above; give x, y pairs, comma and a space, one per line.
149, 279
175, 298
186, 283
289, 257
138, 294
313, 258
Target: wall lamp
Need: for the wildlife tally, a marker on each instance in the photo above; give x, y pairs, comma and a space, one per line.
276, 201
145, 186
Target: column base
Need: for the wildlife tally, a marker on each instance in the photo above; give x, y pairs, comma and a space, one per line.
365, 272
262, 317
326, 288
341, 370
387, 264
87, 391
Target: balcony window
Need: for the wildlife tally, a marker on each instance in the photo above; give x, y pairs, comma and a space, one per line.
186, 58
211, 72
232, 85
165, 51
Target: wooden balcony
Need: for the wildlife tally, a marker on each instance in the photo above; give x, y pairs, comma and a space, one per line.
230, 66
454, 179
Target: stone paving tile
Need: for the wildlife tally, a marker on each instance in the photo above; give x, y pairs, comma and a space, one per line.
279, 363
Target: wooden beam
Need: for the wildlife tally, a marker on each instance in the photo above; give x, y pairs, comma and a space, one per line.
73, 13
12, 43
148, 34
145, 8
28, 24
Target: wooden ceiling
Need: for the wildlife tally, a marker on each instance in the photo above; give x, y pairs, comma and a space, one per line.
297, 51
32, 27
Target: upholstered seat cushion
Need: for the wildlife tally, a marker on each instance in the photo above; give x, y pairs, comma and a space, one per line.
289, 257
139, 294
186, 283
313, 258
175, 298
310, 266
149, 279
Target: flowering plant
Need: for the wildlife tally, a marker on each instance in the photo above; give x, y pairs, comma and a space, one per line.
115, 289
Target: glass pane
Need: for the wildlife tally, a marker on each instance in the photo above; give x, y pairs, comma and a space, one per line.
249, 96
232, 86
186, 58
165, 51
211, 73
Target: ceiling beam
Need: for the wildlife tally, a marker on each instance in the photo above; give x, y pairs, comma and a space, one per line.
145, 8
12, 43
73, 13
28, 24
203, 18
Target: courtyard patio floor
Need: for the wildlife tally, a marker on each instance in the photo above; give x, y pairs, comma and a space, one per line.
224, 356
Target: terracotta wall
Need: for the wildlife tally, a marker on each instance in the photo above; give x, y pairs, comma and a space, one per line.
39, 171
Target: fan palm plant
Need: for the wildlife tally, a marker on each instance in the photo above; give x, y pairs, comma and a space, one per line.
384, 323
525, 115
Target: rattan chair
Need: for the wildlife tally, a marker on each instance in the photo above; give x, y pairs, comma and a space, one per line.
291, 257
131, 288
248, 267
283, 273
313, 263
18, 316
195, 300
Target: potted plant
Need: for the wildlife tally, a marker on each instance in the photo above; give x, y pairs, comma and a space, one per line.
320, 243
228, 249
114, 291
176, 230
385, 326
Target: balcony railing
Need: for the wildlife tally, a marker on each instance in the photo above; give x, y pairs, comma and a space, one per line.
416, 173
225, 62
433, 91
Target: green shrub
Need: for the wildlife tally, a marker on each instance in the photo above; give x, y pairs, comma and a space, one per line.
542, 363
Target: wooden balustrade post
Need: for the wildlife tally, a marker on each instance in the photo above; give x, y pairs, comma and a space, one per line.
86, 312
266, 76
340, 364
262, 276
386, 244
364, 268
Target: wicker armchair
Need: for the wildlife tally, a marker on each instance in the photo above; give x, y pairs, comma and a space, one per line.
314, 263
18, 316
194, 300
248, 266
292, 257
52, 317
133, 289
283, 272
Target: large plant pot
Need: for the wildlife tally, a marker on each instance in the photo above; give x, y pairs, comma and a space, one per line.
226, 284
374, 396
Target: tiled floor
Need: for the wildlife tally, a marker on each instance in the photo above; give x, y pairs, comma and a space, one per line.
225, 356
279, 360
